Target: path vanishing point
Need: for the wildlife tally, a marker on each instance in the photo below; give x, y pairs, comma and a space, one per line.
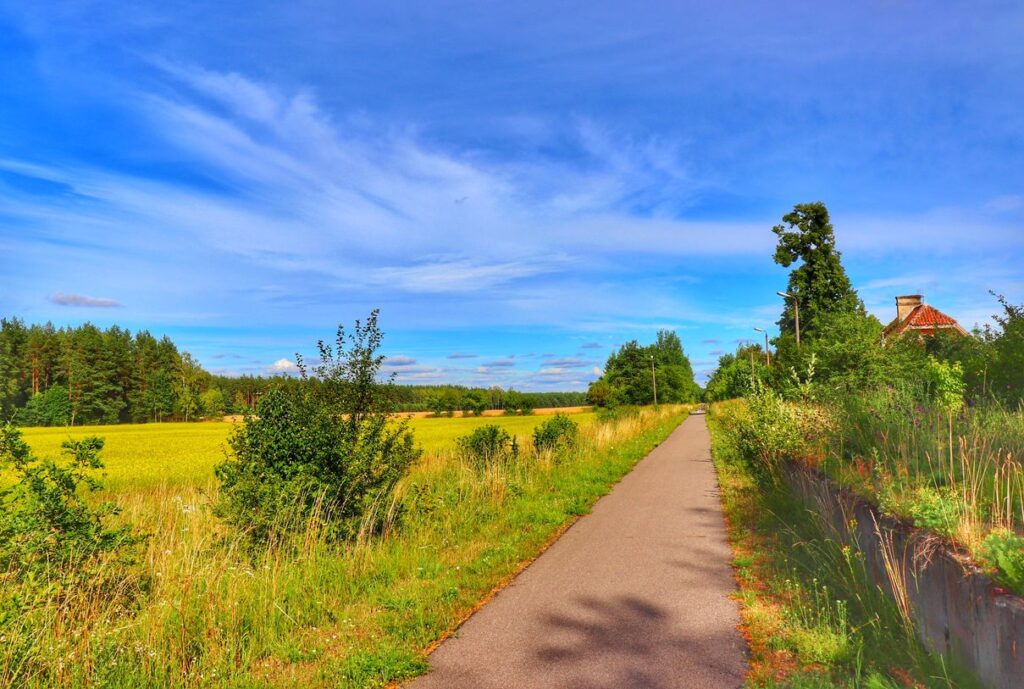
634, 596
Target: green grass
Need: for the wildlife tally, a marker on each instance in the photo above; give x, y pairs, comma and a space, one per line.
184, 454
811, 614
317, 614
958, 475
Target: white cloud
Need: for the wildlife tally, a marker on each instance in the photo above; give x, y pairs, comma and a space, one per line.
284, 366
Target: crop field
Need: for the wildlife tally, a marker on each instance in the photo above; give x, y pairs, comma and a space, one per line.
184, 454
198, 607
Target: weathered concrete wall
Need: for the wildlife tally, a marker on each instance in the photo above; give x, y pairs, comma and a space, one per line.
956, 609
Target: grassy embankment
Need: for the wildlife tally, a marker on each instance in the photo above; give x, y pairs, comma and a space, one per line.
812, 616
357, 615
957, 474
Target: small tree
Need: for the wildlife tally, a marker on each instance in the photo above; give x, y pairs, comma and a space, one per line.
326, 451
188, 382
213, 403
449, 402
599, 393
473, 403
50, 408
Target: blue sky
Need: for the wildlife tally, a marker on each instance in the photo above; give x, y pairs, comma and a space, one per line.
518, 186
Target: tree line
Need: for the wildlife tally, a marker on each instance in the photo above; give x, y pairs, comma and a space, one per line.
633, 372
53, 376
841, 346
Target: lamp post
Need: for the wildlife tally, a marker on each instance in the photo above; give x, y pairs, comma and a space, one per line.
654, 381
767, 354
796, 311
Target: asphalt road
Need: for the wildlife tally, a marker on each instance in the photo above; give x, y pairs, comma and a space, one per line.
634, 596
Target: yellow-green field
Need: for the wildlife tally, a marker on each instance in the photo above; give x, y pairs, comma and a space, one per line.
145, 455
199, 607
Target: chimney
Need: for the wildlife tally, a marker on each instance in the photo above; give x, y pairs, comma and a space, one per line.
906, 304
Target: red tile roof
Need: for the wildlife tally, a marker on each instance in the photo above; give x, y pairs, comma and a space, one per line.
926, 318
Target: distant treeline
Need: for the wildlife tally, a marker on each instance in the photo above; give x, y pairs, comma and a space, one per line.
448, 398
85, 375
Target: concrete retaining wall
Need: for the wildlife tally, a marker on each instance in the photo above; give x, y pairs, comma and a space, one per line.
956, 609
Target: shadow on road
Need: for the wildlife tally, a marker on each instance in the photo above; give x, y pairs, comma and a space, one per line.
631, 643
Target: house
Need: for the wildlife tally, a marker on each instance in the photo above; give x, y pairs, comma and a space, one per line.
913, 315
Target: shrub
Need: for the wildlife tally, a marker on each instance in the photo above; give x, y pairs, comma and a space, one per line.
1005, 550
768, 430
48, 532
213, 403
326, 451
556, 434
50, 408
935, 509
948, 384
488, 445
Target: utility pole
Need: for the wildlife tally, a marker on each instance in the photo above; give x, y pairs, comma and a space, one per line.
654, 380
796, 313
767, 354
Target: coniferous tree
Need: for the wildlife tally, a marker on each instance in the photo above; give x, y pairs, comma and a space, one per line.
13, 389
820, 283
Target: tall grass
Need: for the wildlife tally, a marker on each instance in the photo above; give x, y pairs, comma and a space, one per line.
957, 474
200, 610
811, 613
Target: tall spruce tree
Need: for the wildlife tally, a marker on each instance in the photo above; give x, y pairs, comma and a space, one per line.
820, 282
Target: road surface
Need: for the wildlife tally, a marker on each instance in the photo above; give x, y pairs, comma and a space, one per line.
634, 596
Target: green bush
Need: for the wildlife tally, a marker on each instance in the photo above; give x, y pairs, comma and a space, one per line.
49, 534
326, 452
1005, 551
556, 434
770, 432
934, 509
488, 445
50, 408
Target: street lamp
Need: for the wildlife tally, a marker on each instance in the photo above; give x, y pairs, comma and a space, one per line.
796, 310
654, 380
767, 354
